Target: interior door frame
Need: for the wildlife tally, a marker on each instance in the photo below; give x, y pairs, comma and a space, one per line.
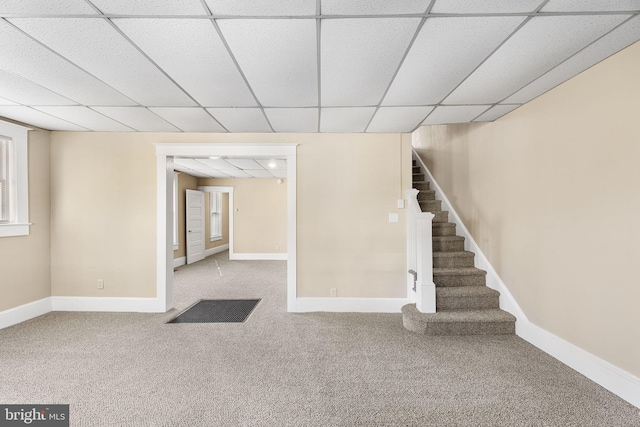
164, 174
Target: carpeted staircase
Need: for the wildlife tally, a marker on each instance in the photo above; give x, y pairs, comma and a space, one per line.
464, 304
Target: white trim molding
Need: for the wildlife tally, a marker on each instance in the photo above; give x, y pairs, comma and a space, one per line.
109, 304
216, 250
24, 312
350, 305
255, 256
179, 262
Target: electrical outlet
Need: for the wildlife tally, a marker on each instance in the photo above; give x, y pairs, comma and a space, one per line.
100, 284
333, 292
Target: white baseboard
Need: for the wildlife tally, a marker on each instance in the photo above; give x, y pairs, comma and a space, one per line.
264, 257
350, 305
216, 250
614, 379
24, 312
112, 304
179, 262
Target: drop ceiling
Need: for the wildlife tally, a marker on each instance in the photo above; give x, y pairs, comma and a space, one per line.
293, 65
232, 167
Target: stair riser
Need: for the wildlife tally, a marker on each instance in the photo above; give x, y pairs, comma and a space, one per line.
464, 328
426, 195
467, 303
416, 169
422, 186
448, 246
459, 280
431, 205
443, 230
442, 216
452, 262
418, 177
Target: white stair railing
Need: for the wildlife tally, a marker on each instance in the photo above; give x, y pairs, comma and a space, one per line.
421, 288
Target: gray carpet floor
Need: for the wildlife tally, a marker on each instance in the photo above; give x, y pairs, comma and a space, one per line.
284, 369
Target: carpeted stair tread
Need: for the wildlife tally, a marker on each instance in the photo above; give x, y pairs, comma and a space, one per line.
466, 291
462, 322
467, 298
492, 315
443, 229
453, 259
448, 243
459, 271
452, 254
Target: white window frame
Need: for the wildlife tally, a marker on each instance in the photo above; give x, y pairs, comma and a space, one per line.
18, 185
215, 216
176, 240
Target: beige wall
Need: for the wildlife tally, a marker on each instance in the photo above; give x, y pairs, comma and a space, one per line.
551, 193
225, 222
185, 182
104, 211
25, 260
260, 222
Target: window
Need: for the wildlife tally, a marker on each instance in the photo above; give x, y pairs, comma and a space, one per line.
215, 207
176, 243
14, 185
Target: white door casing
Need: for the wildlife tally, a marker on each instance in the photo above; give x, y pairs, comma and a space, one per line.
195, 226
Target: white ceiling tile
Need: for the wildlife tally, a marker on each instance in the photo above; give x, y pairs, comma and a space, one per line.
352, 48
279, 173
373, 7
444, 53
4, 101
189, 163
21, 55
590, 5
150, 7
45, 7
278, 57
99, 49
496, 112
454, 114
241, 119
398, 119
345, 119
180, 168
293, 119
216, 173
191, 52
260, 173
189, 119
37, 118
85, 117
272, 164
493, 6
244, 163
536, 48
220, 164
616, 40
197, 174
262, 7
138, 118
26, 92
237, 173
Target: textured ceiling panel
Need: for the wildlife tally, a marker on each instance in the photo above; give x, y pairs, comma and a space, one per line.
261, 173
189, 163
220, 164
191, 52
351, 48
373, 7
241, 119
262, 7
24, 91
244, 163
539, 46
345, 119
189, 119
4, 101
493, 6
270, 164
138, 118
37, 118
590, 5
444, 53
25, 57
293, 119
398, 119
278, 58
150, 7
45, 7
454, 114
99, 49
85, 117
237, 173
496, 112
279, 173
618, 39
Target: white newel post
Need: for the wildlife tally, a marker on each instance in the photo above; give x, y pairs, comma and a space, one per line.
419, 255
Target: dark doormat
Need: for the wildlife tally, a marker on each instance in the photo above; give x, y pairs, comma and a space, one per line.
217, 311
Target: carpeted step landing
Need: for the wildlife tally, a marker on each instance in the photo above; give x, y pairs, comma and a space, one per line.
464, 304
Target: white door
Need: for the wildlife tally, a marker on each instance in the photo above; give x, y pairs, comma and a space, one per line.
195, 226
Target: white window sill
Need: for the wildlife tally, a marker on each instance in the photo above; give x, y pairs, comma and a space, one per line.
11, 230
215, 238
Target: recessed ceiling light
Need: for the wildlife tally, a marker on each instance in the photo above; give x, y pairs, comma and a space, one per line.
215, 157
272, 165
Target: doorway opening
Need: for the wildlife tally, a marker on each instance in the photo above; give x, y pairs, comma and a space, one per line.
165, 217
